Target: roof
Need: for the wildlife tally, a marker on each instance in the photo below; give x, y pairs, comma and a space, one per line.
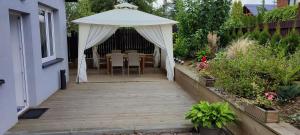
124, 15
253, 7
126, 5
71, 0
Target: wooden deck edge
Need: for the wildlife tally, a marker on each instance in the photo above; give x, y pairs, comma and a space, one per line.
107, 131
245, 123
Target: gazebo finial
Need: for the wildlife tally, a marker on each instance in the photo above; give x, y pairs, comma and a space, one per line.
126, 5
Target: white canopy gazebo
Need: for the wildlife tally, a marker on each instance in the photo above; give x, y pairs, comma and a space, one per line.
95, 29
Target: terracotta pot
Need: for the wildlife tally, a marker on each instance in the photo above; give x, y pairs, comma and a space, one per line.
208, 81
263, 115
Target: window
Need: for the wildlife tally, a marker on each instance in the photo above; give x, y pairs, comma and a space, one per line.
47, 34
292, 2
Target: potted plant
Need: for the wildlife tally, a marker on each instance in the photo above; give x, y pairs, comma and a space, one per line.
209, 119
262, 109
206, 79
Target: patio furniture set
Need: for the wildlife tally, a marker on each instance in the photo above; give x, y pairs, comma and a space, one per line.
129, 59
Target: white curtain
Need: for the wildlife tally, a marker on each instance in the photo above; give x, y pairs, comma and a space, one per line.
156, 56
161, 36
95, 57
89, 36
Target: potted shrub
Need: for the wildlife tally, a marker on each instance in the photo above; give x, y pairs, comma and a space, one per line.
209, 119
262, 109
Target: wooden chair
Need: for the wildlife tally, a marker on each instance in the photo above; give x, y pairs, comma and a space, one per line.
134, 61
102, 61
117, 61
149, 60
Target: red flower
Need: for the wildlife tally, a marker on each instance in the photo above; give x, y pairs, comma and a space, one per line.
204, 59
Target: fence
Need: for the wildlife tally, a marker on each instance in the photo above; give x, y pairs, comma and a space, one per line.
123, 39
284, 26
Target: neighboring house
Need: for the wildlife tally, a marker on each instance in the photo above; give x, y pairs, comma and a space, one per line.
33, 50
283, 3
251, 9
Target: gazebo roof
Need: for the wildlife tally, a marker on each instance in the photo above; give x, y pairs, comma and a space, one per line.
125, 15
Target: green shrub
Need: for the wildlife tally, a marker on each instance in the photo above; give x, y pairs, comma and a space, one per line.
240, 33
291, 42
235, 75
249, 21
200, 54
264, 36
287, 93
199, 40
255, 34
210, 115
225, 38
194, 26
276, 38
248, 33
295, 118
291, 69
281, 14
180, 48
259, 67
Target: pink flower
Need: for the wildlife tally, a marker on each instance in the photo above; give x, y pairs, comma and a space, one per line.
270, 95
202, 65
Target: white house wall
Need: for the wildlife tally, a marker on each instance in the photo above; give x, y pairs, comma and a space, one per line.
42, 82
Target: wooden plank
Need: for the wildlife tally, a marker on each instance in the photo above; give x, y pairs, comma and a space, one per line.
129, 103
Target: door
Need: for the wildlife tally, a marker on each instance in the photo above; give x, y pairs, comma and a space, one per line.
17, 44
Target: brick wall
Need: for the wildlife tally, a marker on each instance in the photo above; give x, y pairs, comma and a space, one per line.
282, 3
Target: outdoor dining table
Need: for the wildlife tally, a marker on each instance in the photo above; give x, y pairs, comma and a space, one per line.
125, 57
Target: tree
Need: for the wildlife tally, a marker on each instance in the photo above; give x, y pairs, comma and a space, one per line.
75, 10
237, 10
261, 12
98, 6
144, 5
218, 14
197, 18
72, 14
167, 10
236, 16
84, 8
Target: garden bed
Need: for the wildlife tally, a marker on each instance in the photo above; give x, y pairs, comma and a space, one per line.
189, 80
285, 110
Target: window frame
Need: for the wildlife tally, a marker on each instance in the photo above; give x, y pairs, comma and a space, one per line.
292, 2
49, 57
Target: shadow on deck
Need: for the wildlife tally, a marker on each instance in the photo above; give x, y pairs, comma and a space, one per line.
113, 104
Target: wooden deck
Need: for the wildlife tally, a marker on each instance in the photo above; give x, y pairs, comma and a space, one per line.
113, 104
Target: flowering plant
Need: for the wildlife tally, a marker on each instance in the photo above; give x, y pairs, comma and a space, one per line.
200, 54
266, 101
203, 64
263, 102
263, 99
270, 95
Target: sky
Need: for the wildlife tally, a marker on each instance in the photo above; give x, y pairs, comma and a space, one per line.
158, 3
